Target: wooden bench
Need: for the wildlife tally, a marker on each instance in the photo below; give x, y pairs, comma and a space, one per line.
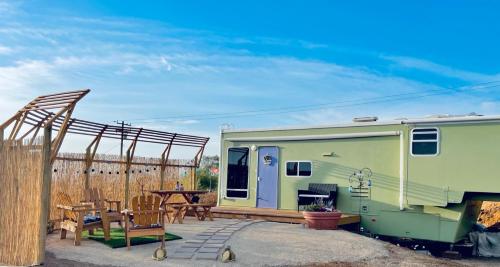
201, 211
316, 191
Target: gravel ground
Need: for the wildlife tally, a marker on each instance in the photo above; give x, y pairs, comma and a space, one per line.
260, 244
288, 244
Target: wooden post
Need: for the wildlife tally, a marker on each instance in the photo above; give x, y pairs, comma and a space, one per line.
1, 137
192, 179
162, 171
195, 182
87, 168
127, 179
45, 189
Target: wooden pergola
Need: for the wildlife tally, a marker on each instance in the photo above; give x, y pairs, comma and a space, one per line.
53, 113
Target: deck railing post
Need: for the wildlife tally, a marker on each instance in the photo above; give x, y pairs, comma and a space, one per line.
45, 189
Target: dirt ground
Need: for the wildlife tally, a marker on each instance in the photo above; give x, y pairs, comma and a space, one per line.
52, 261
398, 257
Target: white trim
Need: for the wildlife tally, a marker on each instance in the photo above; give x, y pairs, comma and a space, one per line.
437, 141
219, 184
325, 126
298, 169
248, 175
444, 120
494, 118
318, 196
238, 190
313, 137
401, 171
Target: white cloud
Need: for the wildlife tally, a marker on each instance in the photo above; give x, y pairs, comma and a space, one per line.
429, 66
7, 7
320, 117
4, 50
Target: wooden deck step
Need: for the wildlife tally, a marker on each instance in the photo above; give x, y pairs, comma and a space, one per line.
272, 215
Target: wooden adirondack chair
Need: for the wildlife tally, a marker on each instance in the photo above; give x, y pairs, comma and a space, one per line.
145, 219
73, 218
112, 207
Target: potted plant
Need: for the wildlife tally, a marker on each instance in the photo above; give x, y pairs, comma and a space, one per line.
321, 216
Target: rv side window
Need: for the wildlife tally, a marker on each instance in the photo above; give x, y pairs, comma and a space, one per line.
299, 168
237, 172
424, 141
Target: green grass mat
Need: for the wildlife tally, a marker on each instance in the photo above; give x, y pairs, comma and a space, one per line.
118, 238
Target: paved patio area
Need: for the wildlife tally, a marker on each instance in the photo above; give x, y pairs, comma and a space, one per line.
199, 247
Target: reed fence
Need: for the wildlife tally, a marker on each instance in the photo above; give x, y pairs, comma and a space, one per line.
20, 198
69, 176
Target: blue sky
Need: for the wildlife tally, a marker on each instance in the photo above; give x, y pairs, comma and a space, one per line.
192, 66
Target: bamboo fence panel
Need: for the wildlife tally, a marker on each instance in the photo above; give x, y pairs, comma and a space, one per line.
20, 198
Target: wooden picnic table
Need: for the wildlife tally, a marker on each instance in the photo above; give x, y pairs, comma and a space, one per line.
182, 208
187, 194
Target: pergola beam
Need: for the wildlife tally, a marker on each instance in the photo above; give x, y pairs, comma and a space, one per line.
130, 157
35, 128
164, 161
56, 145
17, 126
12, 119
90, 155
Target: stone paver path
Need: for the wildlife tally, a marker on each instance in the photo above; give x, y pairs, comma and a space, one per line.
208, 244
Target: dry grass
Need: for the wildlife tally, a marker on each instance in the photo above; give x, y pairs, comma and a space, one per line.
20, 198
69, 177
490, 213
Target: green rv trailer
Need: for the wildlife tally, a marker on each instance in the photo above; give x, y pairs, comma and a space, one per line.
429, 176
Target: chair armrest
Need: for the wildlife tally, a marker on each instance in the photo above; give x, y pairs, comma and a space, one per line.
113, 201
126, 212
84, 207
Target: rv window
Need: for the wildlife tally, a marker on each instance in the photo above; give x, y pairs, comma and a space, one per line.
304, 168
292, 168
237, 172
424, 142
298, 168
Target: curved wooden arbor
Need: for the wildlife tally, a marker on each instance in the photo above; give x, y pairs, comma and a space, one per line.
53, 113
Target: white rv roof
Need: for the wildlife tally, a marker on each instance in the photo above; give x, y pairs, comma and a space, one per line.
438, 120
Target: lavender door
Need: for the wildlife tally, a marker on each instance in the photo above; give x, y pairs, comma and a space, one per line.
267, 178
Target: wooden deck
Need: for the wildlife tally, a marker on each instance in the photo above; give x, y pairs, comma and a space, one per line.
272, 215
